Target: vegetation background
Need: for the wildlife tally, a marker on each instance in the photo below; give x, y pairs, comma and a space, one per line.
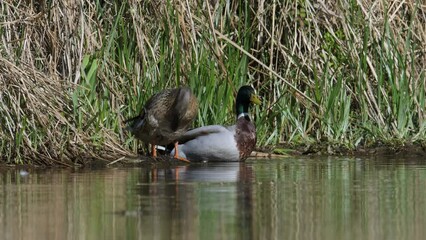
342, 74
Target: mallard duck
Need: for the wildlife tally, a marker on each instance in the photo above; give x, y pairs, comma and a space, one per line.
165, 117
223, 143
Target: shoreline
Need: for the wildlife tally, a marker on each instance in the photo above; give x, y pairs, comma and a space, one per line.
282, 151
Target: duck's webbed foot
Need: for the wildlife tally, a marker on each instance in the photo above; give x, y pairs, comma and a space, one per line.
176, 155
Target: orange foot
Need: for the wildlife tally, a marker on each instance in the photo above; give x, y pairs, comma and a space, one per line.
153, 150
177, 154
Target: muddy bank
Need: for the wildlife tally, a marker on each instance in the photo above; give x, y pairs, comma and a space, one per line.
281, 151
377, 150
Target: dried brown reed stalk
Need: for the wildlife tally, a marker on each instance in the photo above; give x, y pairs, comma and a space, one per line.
40, 62
36, 120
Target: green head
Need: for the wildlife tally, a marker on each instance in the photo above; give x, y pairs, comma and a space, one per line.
245, 98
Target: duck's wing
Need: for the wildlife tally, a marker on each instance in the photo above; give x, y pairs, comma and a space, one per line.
153, 106
203, 131
209, 143
181, 102
180, 107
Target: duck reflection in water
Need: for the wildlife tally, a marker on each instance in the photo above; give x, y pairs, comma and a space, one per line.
176, 204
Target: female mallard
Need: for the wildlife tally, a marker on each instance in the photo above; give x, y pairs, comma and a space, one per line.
220, 143
165, 117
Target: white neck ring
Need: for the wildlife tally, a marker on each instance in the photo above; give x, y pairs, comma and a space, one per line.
243, 115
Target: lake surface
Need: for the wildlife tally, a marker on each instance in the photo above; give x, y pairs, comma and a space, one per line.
290, 198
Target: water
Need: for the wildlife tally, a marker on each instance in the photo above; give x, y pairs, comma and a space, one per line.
303, 198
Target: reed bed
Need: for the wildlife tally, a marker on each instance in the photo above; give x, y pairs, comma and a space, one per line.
343, 74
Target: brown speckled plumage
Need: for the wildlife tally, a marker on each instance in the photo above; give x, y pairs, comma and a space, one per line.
245, 136
167, 115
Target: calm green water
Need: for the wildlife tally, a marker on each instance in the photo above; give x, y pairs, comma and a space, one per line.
329, 198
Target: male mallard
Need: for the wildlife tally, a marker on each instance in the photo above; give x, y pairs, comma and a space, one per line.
221, 143
165, 117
